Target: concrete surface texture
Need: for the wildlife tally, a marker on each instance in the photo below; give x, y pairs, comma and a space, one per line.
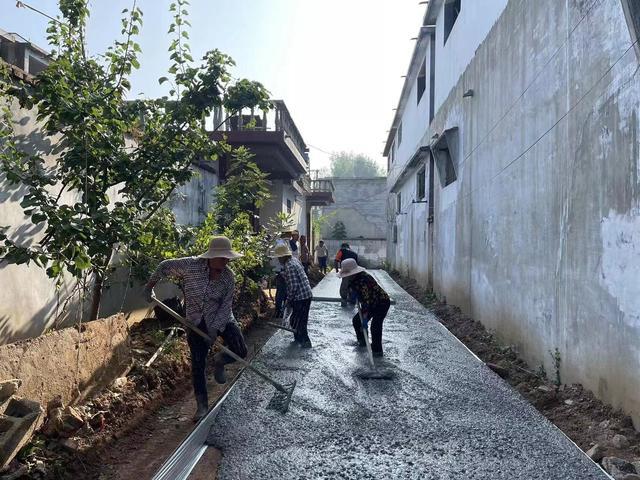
538, 238
443, 416
67, 363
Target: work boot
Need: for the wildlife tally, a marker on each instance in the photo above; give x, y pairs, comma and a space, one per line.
218, 372
378, 354
202, 407
306, 343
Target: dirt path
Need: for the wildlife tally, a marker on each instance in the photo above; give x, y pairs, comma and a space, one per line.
139, 454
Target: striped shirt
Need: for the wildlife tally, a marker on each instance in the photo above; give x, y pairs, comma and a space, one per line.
203, 297
298, 287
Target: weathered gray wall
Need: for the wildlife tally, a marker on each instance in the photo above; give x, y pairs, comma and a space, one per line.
539, 238
361, 205
192, 201
371, 253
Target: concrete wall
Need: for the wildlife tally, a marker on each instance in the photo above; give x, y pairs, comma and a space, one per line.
472, 26
539, 236
281, 192
68, 363
192, 201
360, 203
29, 300
409, 253
371, 253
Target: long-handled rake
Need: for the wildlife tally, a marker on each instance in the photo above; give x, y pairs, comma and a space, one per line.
280, 400
374, 372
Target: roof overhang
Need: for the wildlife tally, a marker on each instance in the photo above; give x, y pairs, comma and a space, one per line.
418, 157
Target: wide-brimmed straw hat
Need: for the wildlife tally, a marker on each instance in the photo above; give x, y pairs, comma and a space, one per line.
350, 267
281, 250
220, 247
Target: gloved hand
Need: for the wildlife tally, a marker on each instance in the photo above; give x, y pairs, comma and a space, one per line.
365, 321
148, 292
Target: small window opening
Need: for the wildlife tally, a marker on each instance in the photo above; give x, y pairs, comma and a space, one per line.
288, 206
400, 133
445, 154
422, 80
398, 202
395, 234
451, 12
421, 184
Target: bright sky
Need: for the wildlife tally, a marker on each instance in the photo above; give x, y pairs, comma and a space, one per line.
336, 63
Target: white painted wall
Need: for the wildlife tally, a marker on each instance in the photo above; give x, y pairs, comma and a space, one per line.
415, 121
476, 19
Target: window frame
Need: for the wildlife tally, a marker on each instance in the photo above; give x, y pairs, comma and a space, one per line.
421, 186
421, 81
449, 23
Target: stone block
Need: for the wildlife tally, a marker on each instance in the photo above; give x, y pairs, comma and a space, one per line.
18, 421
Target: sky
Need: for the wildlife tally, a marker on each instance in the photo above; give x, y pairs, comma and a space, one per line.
337, 64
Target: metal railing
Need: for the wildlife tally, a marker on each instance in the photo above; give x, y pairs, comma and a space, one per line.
278, 119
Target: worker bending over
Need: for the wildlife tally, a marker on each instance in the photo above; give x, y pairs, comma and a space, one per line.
208, 285
374, 302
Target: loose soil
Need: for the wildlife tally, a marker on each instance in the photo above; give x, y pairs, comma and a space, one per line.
586, 420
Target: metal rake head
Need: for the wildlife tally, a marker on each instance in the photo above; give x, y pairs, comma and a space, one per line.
282, 398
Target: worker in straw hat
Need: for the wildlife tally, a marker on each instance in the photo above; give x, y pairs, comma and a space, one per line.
298, 293
374, 301
208, 285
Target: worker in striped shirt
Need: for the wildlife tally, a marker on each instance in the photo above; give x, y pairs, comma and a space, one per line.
298, 294
208, 285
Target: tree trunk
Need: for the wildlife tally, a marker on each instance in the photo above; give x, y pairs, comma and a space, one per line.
96, 296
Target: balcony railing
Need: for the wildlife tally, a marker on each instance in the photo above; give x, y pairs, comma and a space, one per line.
321, 185
278, 119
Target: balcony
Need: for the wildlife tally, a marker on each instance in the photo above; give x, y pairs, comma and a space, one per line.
319, 191
272, 137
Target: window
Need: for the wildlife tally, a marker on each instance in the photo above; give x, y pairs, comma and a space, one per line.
288, 206
444, 151
395, 234
451, 12
392, 152
400, 134
421, 185
422, 80
398, 202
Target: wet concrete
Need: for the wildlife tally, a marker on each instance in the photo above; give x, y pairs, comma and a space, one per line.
443, 416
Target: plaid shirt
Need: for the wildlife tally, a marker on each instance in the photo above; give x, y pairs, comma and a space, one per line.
298, 287
204, 298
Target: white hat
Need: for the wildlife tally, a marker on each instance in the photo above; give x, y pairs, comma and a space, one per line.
220, 247
350, 267
281, 250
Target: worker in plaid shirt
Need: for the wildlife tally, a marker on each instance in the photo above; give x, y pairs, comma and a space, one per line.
298, 294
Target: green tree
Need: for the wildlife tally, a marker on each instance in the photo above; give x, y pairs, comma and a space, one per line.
118, 160
245, 190
339, 231
354, 165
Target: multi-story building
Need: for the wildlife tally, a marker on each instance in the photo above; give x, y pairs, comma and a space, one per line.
513, 185
279, 150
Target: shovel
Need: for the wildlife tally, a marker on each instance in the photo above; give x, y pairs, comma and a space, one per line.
285, 322
280, 400
374, 372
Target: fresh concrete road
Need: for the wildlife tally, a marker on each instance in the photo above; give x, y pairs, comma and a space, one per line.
443, 416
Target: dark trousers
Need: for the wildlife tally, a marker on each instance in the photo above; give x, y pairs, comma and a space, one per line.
199, 347
300, 318
281, 295
322, 263
377, 315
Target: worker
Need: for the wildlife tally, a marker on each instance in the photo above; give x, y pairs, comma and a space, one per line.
305, 256
208, 285
281, 286
298, 294
322, 253
344, 253
374, 302
294, 245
